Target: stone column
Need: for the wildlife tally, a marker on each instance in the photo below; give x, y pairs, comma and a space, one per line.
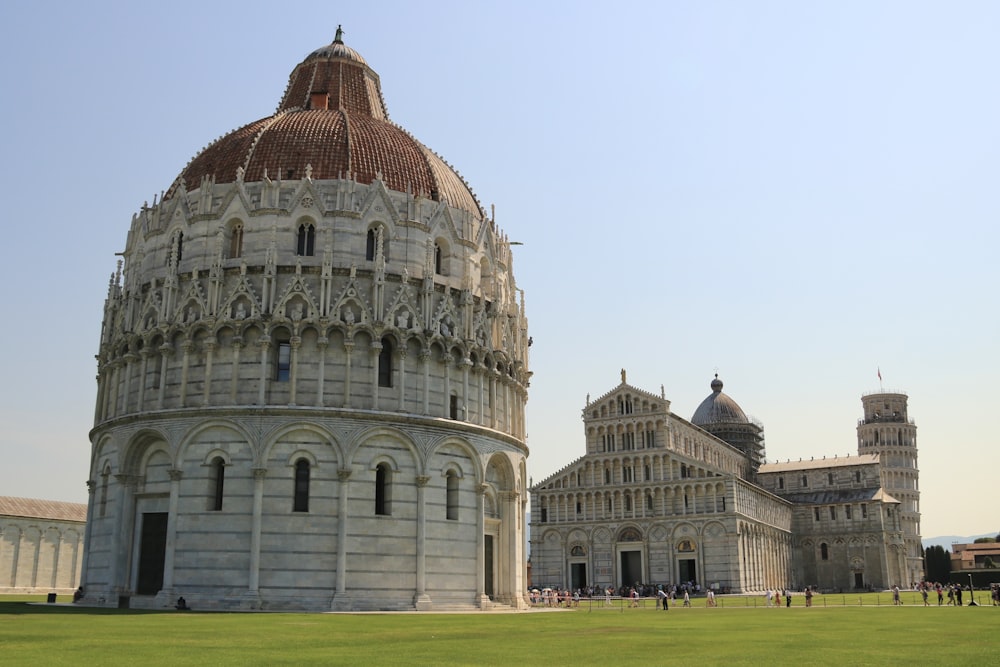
130, 359
425, 356
421, 600
167, 592
252, 597
343, 475
265, 345
187, 347
166, 352
293, 376
234, 382
401, 375
484, 600
88, 527
348, 349
121, 543
210, 344
322, 343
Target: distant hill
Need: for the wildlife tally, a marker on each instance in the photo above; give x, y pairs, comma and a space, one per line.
947, 540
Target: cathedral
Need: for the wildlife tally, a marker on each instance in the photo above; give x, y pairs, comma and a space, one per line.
312, 375
658, 499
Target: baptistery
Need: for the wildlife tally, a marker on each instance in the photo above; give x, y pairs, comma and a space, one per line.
312, 375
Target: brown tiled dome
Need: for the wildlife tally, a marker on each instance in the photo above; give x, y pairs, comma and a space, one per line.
332, 120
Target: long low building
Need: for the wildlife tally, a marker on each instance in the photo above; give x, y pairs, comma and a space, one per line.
41, 545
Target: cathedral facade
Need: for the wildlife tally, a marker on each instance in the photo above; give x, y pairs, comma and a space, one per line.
312, 375
657, 499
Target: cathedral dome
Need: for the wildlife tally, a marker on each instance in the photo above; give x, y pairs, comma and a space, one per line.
718, 408
331, 123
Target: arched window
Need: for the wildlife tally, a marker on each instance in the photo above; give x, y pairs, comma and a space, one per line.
385, 363
218, 482
236, 241
824, 551
370, 246
306, 241
437, 259
383, 490
628, 503
451, 499
301, 501
649, 502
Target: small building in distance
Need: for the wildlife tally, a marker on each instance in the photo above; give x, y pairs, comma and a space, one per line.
980, 560
41, 544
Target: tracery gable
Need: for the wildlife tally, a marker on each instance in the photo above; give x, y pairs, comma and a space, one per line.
192, 306
446, 317
402, 311
376, 198
297, 301
242, 301
350, 306
150, 309
306, 196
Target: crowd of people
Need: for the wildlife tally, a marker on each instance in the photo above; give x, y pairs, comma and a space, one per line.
667, 595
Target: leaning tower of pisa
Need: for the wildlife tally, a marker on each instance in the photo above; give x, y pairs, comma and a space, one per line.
887, 430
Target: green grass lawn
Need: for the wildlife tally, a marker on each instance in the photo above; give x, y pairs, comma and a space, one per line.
733, 634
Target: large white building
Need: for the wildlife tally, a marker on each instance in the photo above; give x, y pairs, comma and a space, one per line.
312, 375
41, 545
657, 499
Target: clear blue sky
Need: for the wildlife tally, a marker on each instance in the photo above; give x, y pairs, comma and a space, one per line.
793, 194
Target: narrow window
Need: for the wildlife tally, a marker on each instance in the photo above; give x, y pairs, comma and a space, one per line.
824, 551
385, 363
647, 473
829, 478
816, 513
452, 496
649, 502
370, 246
306, 241
383, 496
437, 259
236, 241
579, 508
218, 482
301, 500
857, 476
607, 476
628, 503
805, 481
781, 482
847, 511
283, 367
864, 511
833, 512
453, 407
545, 515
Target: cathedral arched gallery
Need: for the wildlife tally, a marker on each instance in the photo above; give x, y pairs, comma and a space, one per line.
312, 375
659, 499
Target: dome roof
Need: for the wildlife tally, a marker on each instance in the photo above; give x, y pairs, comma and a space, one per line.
718, 408
331, 123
